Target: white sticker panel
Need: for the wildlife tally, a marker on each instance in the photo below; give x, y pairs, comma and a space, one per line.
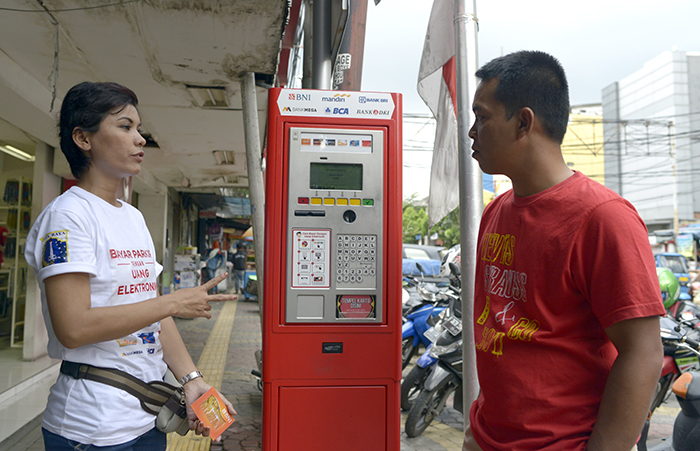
310, 258
336, 142
317, 103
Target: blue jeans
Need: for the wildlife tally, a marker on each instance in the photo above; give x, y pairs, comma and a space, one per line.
238, 275
153, 440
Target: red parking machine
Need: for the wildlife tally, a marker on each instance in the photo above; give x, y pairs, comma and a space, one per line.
332, 285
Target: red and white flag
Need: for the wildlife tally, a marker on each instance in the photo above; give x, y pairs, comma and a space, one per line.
438, 88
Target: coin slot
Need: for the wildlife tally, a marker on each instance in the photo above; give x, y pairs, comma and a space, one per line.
349, 216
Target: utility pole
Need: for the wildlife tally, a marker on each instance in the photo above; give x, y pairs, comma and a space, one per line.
672, 138
470, 185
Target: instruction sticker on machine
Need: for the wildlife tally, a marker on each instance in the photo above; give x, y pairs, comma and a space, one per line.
355, 306
310, 258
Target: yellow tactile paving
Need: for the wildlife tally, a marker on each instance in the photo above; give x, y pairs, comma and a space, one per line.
211, 363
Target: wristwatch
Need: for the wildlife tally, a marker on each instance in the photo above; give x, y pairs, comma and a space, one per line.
188, 377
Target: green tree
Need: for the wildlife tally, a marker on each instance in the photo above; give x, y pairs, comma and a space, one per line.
415, 222
448, 229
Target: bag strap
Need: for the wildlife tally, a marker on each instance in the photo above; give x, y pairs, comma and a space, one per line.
150, 394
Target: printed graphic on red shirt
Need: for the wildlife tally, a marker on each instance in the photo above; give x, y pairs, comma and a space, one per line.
507, 285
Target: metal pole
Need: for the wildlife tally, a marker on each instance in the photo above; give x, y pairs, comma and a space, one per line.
256, 185
672, 135
354, 44
322, 65
307, 72
470, 185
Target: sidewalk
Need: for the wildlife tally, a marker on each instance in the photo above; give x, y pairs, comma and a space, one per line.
223, 349
239, 386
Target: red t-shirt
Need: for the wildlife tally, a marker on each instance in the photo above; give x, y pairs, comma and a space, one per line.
553, 271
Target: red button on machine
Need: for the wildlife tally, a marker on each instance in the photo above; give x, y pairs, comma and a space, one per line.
303, 201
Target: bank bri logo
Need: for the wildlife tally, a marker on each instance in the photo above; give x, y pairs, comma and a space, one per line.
365, 99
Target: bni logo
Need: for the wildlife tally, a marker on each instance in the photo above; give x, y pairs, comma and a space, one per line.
299, 96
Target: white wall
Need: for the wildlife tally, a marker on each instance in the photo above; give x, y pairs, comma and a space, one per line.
47, 187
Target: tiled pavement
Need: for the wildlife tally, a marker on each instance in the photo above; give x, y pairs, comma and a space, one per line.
224, 348
239, 386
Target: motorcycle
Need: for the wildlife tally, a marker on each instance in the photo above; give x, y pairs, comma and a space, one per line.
442, 378
677, 305
681, 355
412, 384
421, 292
419, 318
686, 428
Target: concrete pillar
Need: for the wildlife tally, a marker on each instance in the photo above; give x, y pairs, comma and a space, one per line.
46, 187
154, 208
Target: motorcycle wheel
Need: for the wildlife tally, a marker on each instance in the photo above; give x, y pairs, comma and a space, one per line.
411, 386
407, 351
426, 408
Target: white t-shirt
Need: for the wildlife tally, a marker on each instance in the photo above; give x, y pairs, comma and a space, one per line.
79, 232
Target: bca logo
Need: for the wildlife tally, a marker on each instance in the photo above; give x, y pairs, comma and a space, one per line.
340, 111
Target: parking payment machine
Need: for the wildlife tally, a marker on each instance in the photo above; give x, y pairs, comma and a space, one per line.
332, 286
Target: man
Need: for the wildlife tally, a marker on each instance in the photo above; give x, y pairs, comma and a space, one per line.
239, 265
566, 297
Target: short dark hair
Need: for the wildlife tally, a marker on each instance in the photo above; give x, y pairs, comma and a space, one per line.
85, 106
535, 80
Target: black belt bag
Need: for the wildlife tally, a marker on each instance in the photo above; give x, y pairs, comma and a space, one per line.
158, 398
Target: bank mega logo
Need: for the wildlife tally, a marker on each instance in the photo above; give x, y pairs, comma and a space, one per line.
365, 99
297, 96
336, 98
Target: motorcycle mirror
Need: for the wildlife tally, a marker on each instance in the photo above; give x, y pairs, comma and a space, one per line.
455, 269
420, 268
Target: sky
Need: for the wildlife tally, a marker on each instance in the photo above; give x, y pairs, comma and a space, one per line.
597, 42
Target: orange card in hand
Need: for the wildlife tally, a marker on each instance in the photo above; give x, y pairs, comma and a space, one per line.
211, 411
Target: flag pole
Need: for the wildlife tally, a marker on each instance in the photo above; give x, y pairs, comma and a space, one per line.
470, 185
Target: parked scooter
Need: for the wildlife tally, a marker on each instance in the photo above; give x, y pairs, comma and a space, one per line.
421, 292
681, 355
686, 428
677, 306
416, 323
443, 378
419, 318
412, 384
257, 373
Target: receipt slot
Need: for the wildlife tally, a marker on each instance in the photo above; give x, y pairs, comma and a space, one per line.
332, 288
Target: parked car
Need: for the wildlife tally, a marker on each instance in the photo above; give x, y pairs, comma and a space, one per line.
422, 252
429, 257
678, 264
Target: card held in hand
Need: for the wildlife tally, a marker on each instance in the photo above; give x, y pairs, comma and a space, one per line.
211, 411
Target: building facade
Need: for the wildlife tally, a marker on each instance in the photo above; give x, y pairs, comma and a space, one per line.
651, 122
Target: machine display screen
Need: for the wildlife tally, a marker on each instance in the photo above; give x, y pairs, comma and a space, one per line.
336, 176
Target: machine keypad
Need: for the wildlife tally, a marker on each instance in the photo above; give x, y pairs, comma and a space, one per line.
356, 260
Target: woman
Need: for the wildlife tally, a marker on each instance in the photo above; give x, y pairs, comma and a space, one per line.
95, 263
